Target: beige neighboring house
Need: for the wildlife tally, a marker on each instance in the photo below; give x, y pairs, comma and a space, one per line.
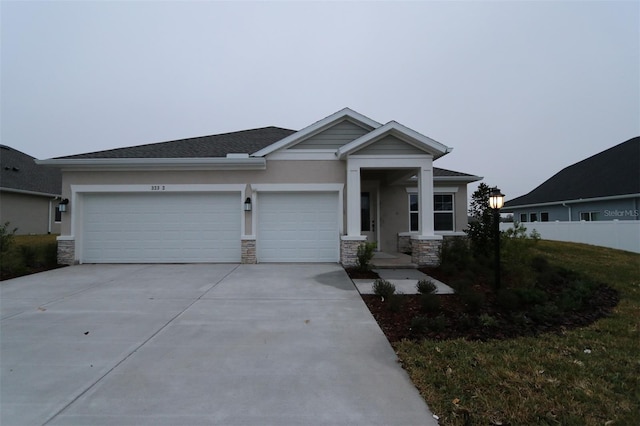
263, 195
29, 194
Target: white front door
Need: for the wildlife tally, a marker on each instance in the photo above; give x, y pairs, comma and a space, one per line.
369, 220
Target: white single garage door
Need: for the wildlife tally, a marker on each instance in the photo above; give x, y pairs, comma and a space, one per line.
161, 227
298, 227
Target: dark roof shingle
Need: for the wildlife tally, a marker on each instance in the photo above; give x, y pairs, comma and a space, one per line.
18, 171
615, 171
246, 141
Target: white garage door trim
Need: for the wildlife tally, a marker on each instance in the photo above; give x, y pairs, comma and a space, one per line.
233, 194
288, 231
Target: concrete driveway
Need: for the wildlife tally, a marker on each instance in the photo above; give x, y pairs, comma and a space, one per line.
197, 345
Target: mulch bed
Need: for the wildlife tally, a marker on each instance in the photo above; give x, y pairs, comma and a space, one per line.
459, 323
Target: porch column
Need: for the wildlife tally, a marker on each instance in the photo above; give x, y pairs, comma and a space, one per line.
425, 198
353, 200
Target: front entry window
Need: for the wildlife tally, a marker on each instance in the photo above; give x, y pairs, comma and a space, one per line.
442, 215
413, 212
365, 211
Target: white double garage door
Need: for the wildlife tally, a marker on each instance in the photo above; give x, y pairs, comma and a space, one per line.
189, 227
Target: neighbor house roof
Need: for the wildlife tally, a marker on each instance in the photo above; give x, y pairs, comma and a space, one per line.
19, 173
613, 172
246, 141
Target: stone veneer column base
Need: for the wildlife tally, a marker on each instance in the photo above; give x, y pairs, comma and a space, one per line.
404, 243
349, 250
425, 251
66, 252
248, 251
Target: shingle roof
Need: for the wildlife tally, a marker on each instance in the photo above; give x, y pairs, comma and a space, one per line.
615, 171
246, 141
18, 171
438, 172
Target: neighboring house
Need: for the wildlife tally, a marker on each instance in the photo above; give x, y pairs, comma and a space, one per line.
605, 186
29, 193
264, 195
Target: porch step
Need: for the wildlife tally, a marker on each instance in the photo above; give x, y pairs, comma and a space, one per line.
384, 260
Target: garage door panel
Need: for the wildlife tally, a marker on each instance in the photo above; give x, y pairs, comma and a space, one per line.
155, 228
298, 227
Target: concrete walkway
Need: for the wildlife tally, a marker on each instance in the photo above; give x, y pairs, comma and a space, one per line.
197, 345
405, 281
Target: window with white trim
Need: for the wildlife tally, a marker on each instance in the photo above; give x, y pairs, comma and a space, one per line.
533, 217
58, 215
413, 212
589, 216
544, 217
523, 217
443, 212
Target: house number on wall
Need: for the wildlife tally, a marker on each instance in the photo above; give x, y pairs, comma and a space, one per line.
157, 187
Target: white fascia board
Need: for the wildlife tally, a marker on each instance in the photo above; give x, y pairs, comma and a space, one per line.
436, 189
208, 163
318, 126
401, 132
580, 200
23, 191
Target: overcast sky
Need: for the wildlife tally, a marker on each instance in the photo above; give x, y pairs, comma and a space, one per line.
520, 90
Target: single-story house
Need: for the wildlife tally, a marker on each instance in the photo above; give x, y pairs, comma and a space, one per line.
29, 194
263, 195
605, 186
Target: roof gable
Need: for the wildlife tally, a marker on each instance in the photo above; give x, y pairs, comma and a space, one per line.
615, 171
396, 131
341, 133
19, 172
319, 127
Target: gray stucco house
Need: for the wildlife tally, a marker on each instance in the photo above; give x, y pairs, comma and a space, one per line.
29, 193
263, 195
605, 186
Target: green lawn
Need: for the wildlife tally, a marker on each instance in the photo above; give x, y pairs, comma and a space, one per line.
586, 376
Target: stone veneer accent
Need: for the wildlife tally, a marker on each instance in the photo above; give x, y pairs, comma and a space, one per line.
425, 252
66, 252
404, 243
349, 251
248, 252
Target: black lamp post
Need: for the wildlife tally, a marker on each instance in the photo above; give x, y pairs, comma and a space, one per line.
496, 201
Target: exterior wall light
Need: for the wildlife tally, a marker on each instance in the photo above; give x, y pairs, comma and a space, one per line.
62, 206
247, 205
496, 201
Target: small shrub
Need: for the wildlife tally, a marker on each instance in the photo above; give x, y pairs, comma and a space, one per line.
364, 256
430, 302
6, 237
546, 313
29, 256
419, 325
394, 302
383, 288
488, 321
426, 287
465, 320
436, 324
50, 255
530, 296
473, 301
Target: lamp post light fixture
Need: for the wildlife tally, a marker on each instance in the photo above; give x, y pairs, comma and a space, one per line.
496, 201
